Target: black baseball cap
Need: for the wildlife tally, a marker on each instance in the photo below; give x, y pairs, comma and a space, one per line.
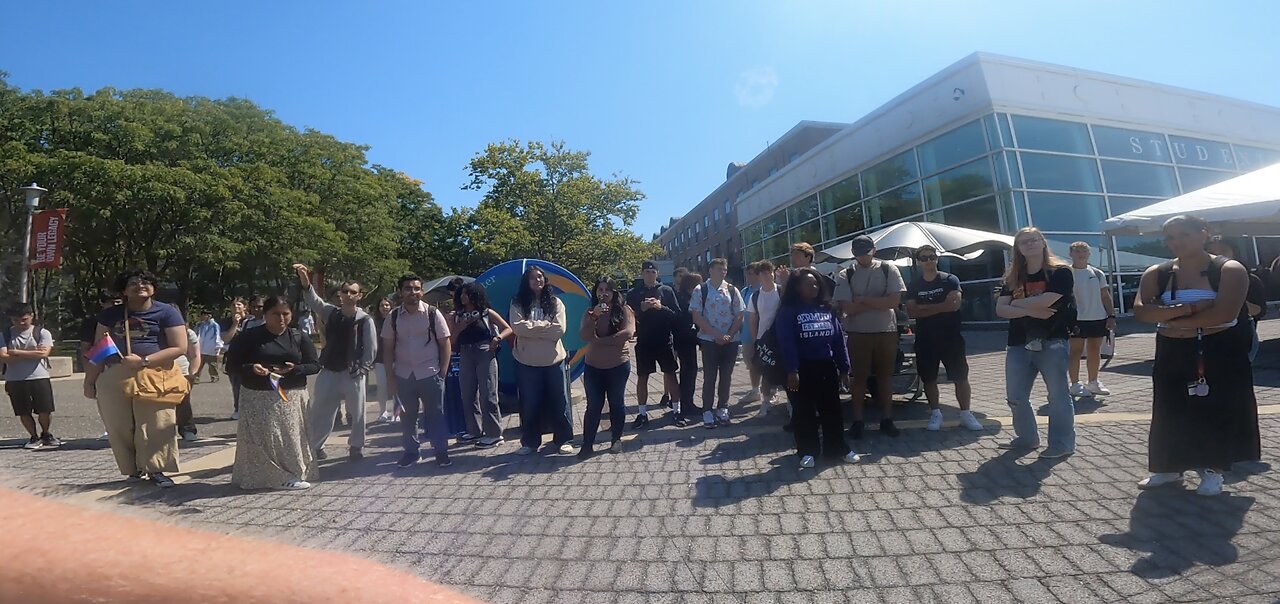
649, 264
862, 245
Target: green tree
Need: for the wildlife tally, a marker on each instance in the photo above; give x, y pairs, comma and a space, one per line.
542, 201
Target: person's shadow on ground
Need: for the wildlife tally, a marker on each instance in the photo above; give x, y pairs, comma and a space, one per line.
1002, 476
1180, 529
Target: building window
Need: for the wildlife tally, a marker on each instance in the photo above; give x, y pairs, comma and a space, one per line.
716, 213
1249, 159
841, 194
706, 222
1066, 212
809, 232
845, 221
894, 205
1131, 144
751, 234
1202, 153
1194, 180
1060, 173
1051, 135
890, 173
708, 256
1131, 178
728, 207
804, 210
958, 184
949, 149
777, 223
980, 214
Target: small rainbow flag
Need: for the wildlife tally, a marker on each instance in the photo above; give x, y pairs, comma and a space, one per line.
275, 383
103, 351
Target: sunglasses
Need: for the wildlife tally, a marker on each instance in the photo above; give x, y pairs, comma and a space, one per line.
927, 258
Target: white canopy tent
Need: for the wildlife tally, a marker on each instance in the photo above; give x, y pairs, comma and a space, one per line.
1245, 205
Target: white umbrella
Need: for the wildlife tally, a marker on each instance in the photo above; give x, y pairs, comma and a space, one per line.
1245, 205
903, 238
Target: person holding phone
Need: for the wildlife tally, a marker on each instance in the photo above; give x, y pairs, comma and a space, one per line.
655, 307
273, 361
606, 328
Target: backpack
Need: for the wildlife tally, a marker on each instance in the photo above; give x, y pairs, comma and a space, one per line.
395, 324
884, 268
1166, 277
733, 294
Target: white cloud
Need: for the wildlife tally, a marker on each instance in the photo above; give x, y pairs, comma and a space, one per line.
756, 86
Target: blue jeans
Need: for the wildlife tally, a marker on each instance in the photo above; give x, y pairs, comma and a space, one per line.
430, 393
544, 396
1020, 369
601, 384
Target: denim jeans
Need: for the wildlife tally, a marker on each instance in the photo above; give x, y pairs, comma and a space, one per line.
430, 393
717, 364
1020, 369
544, 396
601, 384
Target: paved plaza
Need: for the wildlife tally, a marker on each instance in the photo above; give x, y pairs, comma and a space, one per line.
725, 515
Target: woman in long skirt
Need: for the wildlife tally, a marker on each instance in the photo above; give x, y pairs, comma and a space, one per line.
273, 361
1204, 415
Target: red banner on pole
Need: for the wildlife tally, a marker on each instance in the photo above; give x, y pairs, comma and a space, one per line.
46, 238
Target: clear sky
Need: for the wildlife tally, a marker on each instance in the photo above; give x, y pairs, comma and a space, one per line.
665, 92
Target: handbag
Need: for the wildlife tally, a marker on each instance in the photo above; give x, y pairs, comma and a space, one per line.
160, 385
769, 358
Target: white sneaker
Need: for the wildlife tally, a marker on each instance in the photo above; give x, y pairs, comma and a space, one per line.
235, 415
935, 421
722, 415
524, 451
750, 397
384, 418
764, 407
1210, 482
1159, 480
1078, 389
103, 436
296, 485
852, 457
567, 449
806, 462
1096, 387
969, 421
188, 435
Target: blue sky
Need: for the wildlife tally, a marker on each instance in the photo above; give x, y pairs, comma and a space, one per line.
665, 92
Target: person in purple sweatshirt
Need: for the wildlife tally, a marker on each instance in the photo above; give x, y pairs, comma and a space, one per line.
815, 356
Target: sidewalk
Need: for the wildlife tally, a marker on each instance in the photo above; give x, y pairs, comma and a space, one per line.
695, 515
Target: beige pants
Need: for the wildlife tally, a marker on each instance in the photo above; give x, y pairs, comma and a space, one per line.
143, 435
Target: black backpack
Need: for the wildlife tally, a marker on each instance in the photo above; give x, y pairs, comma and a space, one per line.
768, 354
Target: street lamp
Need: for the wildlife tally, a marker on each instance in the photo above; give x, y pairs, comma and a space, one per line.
33, 192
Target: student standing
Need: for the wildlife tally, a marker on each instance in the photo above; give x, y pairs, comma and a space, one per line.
869, 292
761, 312
538, 318
654, 305
607, 328
718, 310
24, 352
1095, 318
416, 350
933, 300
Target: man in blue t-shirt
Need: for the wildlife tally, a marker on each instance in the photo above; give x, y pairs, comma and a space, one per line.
933, 300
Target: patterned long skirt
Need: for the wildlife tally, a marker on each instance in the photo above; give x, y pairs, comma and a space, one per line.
271, 440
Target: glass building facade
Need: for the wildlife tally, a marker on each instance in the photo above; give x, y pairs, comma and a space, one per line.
1004, 171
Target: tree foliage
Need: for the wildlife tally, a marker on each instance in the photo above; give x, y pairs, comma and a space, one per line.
542, 201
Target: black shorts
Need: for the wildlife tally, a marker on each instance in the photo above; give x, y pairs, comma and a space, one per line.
650, 358
30, 396
1089, 329
948, 351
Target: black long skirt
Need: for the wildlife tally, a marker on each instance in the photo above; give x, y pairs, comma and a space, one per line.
1214, 431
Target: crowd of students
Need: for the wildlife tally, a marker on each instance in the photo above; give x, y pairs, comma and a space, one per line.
799, 332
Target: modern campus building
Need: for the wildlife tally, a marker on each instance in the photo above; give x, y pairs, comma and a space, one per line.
991, 143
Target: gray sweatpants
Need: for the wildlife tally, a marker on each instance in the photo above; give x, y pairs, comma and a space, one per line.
478, 377
717, 366
332, 388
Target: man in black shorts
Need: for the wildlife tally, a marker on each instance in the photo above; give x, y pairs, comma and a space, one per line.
933, 300
655, 307
24, 351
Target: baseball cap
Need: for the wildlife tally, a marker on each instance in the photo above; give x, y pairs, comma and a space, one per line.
862, 245
649, 264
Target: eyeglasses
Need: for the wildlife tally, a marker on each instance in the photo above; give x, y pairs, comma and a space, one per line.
928, 258
137, 283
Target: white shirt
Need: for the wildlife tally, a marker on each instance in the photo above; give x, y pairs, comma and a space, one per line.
767, 303
1089, 282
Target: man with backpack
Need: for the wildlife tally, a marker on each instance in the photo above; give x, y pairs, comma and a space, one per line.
24, 352
717, 309
350, 345
869, 292
416, 352
933, 300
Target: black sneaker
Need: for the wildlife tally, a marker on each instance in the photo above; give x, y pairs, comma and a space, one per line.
585, 453
356, 454
855, 431
443, 461
408, 459
50, 441
161, 480
681, 421
642, 420
466, 438
666, 401
887, 427
34, 443
320, 454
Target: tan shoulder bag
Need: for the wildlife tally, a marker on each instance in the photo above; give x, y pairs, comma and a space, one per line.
161, 385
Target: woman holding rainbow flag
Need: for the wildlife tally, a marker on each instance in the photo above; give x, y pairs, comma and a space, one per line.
273, 361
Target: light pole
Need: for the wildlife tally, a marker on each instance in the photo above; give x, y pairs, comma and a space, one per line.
33, 192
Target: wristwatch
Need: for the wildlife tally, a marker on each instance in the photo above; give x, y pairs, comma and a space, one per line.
146, 362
